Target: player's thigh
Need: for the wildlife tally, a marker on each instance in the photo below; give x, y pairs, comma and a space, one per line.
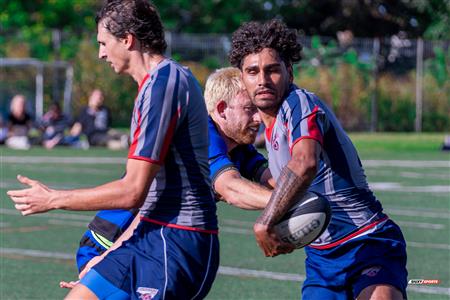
380, 292
314, 292
80, 291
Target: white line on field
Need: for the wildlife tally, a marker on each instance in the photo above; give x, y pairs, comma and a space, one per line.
63, 160
432, 226
407, 163
68, 223
397, 187
417, 213
36, 253
429, 290
391, 211
64, 216
223, 270
260, 274
428, 245
121, 160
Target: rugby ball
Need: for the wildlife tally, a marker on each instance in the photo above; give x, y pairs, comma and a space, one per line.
305, 221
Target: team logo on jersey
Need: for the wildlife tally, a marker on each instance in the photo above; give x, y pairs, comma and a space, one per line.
147, 293
275, 145
371, 272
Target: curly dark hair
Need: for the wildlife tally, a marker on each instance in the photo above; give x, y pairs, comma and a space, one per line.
252, 37
136, 17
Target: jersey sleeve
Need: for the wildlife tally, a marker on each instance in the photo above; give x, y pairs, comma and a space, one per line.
305, 119
155, 116
219, 160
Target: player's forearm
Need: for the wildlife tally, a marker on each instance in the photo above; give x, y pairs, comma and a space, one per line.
245, 194
113, 195
288, 187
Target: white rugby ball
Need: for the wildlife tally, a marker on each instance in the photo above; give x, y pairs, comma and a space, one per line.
305, 221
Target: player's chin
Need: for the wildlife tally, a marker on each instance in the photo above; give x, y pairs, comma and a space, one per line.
248, 138
265, 103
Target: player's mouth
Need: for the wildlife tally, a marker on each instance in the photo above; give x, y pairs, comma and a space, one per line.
266, 93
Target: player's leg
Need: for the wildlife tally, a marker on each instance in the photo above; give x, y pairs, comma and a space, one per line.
381, 265
325, 275
94, 286
79, 291
192, 263
312, 292
380, 292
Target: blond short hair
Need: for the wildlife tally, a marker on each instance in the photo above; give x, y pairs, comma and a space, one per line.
224, 84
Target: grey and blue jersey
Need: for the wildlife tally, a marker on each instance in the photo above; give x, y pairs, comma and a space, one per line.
340, 177
170, 127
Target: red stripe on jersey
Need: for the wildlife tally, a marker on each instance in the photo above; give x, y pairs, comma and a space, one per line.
313, 129
269, 129
157, 162
350, 236
179, 226
135, 136
143, 81
169, 135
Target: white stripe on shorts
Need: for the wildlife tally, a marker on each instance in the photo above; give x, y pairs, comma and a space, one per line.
207, 268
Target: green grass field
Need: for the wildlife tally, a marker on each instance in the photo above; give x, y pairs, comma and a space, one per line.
408, 173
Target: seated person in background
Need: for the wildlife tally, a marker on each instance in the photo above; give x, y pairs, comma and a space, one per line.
53, 124
19, 124
3, 130
94, 121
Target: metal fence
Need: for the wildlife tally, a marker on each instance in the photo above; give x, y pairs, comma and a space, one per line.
366, 81
408, 62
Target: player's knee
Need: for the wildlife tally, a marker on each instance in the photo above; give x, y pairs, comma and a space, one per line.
380, 292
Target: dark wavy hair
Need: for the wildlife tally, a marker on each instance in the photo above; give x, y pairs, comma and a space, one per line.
136, 17
252, 37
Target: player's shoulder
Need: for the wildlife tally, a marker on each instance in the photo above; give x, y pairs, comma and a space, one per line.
217, 145
298, 95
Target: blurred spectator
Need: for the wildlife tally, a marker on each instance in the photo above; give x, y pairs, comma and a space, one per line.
19, 124
3, 130
446, 144
53, 124
94, 121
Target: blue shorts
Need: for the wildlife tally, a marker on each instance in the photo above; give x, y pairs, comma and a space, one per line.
157, 262
89, 248
343, 271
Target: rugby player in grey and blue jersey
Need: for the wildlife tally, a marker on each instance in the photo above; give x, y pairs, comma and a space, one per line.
234, 162
174, 251
362, 254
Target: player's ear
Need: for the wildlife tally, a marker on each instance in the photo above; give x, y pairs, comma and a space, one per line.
221, 106
129, 40
290, 73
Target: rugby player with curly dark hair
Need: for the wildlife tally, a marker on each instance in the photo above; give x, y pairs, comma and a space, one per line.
362, 254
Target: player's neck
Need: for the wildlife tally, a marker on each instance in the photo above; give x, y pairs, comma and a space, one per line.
267, 118
144, 63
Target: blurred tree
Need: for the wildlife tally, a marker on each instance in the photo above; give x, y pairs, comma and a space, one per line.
368, 18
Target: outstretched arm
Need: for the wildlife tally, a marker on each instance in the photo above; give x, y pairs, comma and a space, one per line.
240, 192
128, 192
294, 180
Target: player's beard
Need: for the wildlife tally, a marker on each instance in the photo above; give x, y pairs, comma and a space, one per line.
241, 135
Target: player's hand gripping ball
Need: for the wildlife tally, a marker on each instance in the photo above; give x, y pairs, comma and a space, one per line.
305, 221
